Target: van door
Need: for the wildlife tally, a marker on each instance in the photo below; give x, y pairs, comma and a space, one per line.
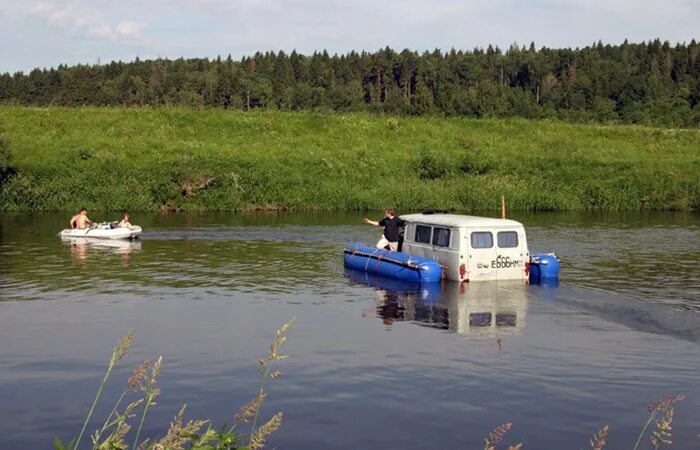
482, 254
444, 250
510, 257
418, 240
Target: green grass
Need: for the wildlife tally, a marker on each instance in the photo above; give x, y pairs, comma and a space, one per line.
149, 159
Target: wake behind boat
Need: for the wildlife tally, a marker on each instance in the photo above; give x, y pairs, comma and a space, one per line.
103, 230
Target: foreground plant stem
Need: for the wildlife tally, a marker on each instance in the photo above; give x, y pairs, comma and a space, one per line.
644, 430
151, 393
92, 408
261, 392
114, 410
118, 353
266, 372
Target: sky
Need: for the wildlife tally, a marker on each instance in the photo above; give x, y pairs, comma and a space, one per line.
48, 33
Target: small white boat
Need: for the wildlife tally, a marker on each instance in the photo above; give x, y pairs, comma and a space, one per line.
103, 231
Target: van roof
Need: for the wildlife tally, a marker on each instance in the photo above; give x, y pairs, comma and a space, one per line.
457, 220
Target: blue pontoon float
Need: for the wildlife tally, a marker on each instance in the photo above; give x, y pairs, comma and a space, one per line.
396, 265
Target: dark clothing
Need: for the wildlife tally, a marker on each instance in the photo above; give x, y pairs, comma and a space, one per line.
392, 228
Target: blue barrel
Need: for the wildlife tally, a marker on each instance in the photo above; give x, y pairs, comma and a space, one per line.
395, 265
544, 268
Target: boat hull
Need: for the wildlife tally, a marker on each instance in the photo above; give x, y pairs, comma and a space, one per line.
395, 265
102, 233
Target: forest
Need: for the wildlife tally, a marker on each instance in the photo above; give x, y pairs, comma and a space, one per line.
650, 83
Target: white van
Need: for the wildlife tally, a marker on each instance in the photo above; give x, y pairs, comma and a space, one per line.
469, 248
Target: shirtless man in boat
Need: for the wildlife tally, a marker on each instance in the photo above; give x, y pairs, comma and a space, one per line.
392, 229
80, 221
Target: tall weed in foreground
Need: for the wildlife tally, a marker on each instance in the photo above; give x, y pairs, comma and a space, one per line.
118, 353
193, 434
660, 413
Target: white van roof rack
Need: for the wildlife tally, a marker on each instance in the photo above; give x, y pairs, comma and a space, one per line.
457, 220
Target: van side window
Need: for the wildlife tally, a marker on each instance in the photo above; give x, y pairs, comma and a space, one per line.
507, 239
441, 237
482, 239
422, 234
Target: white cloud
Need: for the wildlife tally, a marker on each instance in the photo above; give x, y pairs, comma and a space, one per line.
124, 31
86, 21
129, 30
100, 32
68, 16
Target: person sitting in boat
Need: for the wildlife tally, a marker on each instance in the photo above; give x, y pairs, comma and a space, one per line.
80, 221
392, 230
125, 222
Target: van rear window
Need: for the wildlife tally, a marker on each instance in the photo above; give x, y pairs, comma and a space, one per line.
480, 319
506, 319
482, 239
441, 237
422, 234
507, 239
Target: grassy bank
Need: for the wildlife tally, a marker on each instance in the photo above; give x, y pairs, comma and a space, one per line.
110, 159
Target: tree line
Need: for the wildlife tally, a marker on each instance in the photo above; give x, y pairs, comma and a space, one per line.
647, 83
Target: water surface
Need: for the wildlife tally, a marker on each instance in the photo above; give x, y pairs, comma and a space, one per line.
373, 364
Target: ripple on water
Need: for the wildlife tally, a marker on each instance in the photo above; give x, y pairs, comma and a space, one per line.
656, 264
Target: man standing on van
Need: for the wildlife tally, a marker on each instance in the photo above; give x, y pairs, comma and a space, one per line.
392, 230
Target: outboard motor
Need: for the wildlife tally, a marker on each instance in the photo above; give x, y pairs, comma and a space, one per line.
544, 269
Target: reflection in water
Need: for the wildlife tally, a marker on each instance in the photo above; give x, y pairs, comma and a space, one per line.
474, 309
81, 247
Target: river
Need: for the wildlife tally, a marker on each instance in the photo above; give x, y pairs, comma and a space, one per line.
370, 366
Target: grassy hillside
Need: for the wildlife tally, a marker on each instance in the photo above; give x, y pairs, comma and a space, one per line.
146, 159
